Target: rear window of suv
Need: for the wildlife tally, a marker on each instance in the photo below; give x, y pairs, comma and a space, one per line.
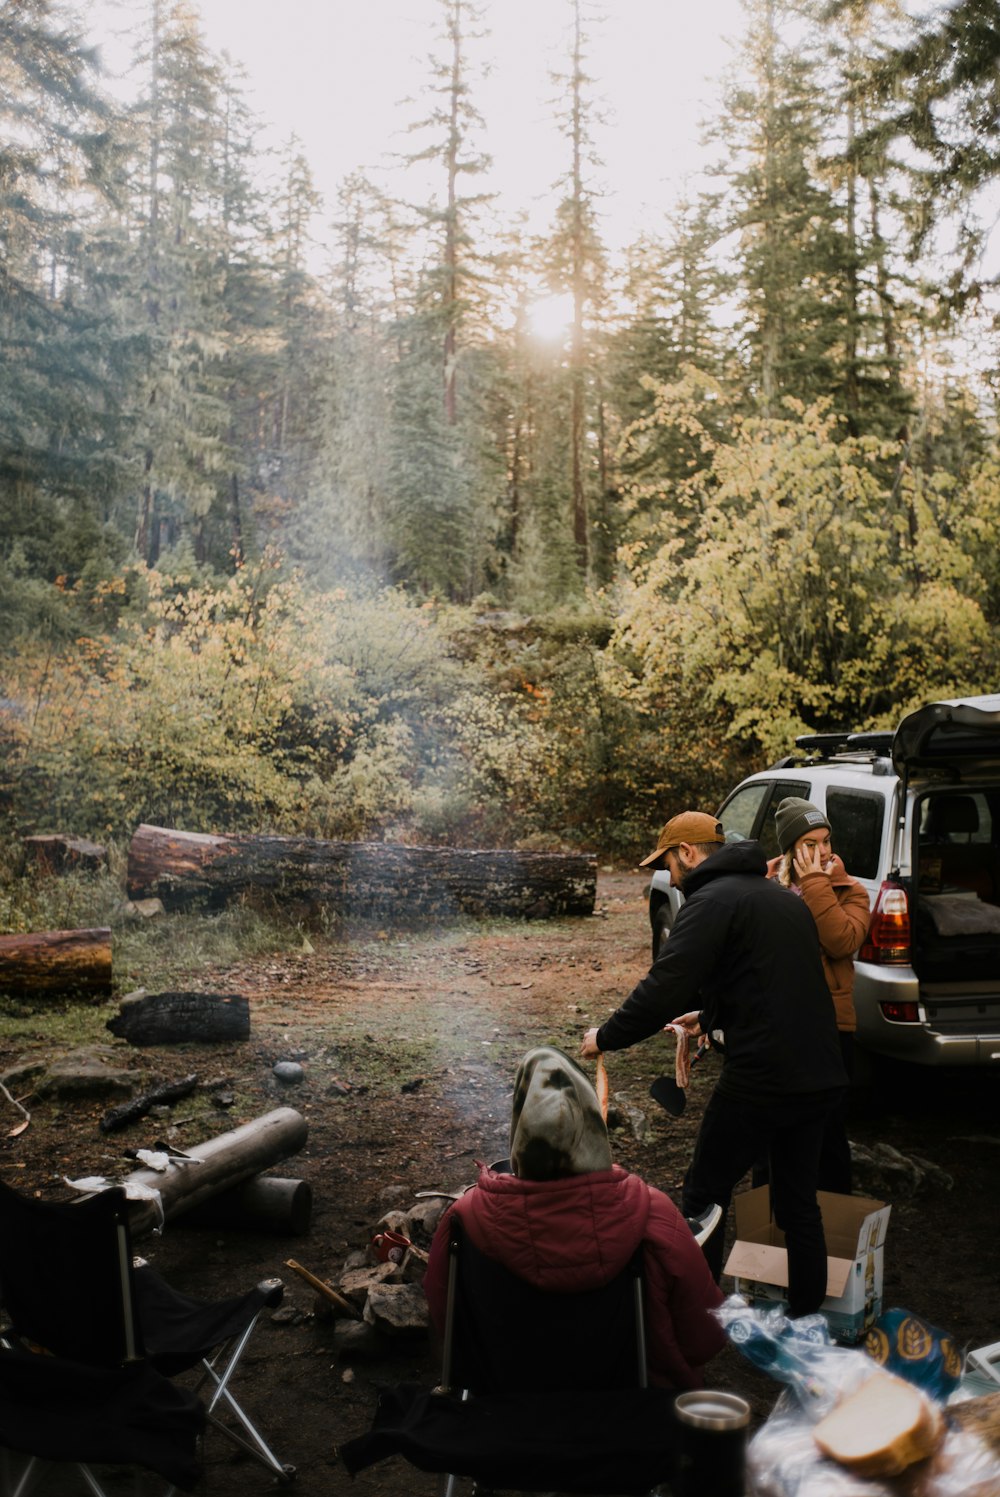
857, 818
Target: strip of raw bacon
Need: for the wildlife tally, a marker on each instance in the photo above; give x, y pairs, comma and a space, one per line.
601, 1085
682, 1064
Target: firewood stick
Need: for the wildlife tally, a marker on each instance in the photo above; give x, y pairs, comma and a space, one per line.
325, 1290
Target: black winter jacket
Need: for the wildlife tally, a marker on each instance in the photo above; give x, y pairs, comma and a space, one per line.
748, 957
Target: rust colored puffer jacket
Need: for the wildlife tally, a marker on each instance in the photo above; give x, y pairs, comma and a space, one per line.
839, 905
578, 1233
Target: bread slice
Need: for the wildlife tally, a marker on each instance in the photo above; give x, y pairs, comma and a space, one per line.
881, 1428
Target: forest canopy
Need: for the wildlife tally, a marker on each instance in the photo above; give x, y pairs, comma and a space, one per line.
358, 552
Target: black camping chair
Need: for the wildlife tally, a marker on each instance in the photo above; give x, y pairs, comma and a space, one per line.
67, 1276
74, 1386
539, 1391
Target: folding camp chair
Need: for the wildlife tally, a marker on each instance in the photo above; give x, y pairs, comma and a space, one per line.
96, 1399
539, 1391
62, 1264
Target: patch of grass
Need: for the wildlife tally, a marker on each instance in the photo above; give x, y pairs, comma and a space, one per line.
167, 950
69, 1026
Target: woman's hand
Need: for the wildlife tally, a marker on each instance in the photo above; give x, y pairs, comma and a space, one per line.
810, 860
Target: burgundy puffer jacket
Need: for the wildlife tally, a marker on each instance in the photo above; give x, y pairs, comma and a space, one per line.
578, 1233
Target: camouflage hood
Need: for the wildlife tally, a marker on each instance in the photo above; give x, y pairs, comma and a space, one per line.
556, 1128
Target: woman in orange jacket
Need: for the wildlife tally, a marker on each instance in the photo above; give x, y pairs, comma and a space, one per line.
809, 868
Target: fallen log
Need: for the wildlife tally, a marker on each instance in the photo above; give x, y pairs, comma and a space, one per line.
222, 1164
56, 963
172, 1018
160, 1096
266, 1204
358, 879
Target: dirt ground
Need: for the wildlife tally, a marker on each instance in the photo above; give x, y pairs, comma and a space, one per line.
408, 1042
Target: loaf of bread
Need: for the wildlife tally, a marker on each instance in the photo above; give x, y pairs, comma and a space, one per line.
881, 1428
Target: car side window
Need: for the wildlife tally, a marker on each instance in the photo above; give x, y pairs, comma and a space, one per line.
739, 814
857, 818
767, 836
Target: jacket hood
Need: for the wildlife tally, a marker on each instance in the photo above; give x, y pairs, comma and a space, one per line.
556, 1128
559, 1234
735, 857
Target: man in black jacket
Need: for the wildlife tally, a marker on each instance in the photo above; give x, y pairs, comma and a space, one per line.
744, 958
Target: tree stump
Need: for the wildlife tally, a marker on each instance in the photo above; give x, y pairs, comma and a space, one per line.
173, 1018
360, 879
54, 854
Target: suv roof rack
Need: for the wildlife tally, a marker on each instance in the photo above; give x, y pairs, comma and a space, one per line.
873, 745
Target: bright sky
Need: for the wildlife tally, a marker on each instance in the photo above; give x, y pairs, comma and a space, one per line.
334, 73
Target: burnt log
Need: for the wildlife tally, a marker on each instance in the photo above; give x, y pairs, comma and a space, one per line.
54, 854
160, 1096
174, 1018
359, 879
56, 963
220, 1164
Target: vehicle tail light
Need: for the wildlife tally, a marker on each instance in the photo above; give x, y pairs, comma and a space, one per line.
888, 939
901, 1013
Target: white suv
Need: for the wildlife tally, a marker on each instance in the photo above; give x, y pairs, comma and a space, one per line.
916, 818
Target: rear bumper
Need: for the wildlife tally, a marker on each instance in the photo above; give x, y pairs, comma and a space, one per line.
928, 1042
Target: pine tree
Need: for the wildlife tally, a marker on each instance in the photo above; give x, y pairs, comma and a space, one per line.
576, 263
180, 416
57, 393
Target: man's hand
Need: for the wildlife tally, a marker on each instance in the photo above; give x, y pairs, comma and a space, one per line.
589, 1048
690, 1022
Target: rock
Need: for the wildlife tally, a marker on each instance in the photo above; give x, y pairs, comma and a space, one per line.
358, 1283
147, 909
289, 1072
16, 1075
357, 1259
883, 1171
422, 1219
355, 1338
398, 1310
393, 1221
287, 1315
392, 1193
637, 1119
85, 1073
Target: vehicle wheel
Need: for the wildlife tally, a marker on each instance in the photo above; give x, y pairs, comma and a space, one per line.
661, 928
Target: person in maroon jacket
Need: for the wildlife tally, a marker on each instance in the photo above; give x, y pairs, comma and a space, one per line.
568, 1219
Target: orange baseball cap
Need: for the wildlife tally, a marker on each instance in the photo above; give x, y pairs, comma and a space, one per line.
687, 826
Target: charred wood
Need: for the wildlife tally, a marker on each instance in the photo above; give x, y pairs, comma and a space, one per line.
172, 1018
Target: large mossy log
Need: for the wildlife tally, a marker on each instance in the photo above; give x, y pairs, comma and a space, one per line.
222, 1164
56, 963
360, 878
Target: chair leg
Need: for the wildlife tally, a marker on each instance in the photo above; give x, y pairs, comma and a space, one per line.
256, 1446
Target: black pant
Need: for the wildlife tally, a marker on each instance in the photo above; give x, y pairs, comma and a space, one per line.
789, 1129
835, 1155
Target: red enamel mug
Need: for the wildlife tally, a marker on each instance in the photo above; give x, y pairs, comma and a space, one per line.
390, 1247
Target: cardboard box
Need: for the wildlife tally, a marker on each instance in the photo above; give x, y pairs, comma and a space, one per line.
855, 1228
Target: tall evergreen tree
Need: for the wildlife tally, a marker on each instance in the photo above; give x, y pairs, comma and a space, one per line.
576, 259
181, 420
57, 393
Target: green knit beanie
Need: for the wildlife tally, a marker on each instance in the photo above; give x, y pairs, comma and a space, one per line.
794, 817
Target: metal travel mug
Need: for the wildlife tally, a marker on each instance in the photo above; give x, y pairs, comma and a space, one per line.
712, 1441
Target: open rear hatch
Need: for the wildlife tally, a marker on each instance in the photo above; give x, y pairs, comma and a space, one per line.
954, 749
